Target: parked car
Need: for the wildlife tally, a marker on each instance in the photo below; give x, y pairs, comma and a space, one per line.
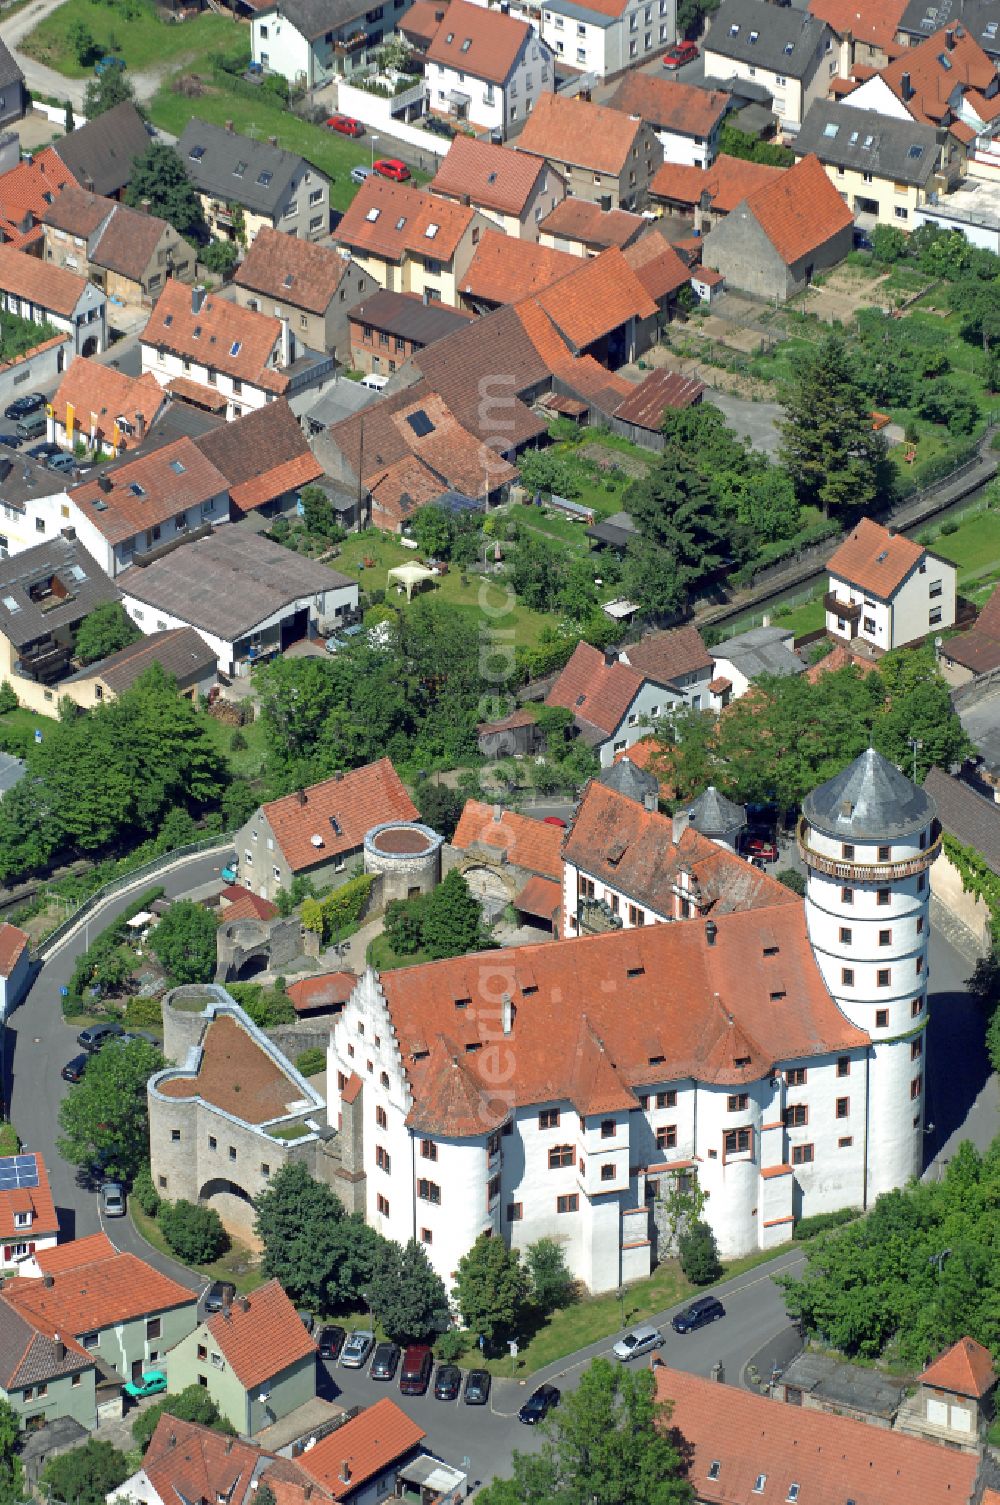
44, 451
360, 173
217, 1294
554, 820
642, 1339
477, 1387
391, 167
447, 1382
706, 1309
683, 52
65, 463
107, 63
385, 1361
112, 1200
756, 845
11, 440
438, 126
22, 406
96, 1035
415, 1375
330, 1341
73, 1070
346, 125
357, 1348
152, 1383
538, 1405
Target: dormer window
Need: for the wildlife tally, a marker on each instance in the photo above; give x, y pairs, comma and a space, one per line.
235, 347
754, 36
22, 1220
714, 1468
761, 1480
734, 30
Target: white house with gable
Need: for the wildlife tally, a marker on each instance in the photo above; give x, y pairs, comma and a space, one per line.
886, 591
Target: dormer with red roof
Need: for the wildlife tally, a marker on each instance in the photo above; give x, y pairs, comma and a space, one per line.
613, 703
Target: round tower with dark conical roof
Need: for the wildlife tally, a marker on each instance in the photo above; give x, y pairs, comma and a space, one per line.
868, 837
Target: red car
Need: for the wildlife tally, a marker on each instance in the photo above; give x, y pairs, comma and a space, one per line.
345, 125
760, 846
553, 820
391, 167
683, 52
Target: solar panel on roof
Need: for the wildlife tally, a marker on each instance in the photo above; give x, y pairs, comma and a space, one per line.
17, 1171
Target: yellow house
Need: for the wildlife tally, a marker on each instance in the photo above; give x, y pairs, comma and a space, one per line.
410, 241
883, 168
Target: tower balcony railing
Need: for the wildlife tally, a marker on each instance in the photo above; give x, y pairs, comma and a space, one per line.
849, 871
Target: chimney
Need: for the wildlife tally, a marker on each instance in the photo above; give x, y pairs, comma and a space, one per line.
139, 424
345, 1472
610, 657
307, 1491
244, 1304
229, 126
229, 1446
904, 84
227, 1297
338, 775
105, 482
891, 532
949, 39
88, 182
498, 813
197, 297
145, 205
300, 795
711, 931
286, 341
60, 1348
172, 1440
48, 1281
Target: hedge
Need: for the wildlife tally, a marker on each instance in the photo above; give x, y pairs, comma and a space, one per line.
822, 1222
345, 906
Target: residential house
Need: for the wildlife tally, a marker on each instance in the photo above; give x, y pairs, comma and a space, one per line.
954, 1401
15, 970
792, 53
883, 168
49, 295
119, 1309
102, 408
14, 95
739, 660
409, 450
677, 658
28, 191
625, 866
190, 1462
603, 155
231, 1111
971, 817
505, 271
798, 1454
500, 854
711, 194
613, 704
969, 654
181, 652
72, 223
193, 341
947, 82
604, 37
45, 593
486, 68
32, 501
254, 1381
100, 154
686, 118
887, 590
134, 510
363, 1459
28, 1220
775, 241
310, 42
511, 188
979, 17
249, 598
244, 184
136, 253
387, 328
865, 34
319, 832
264, 458
410, 241
45, 1374
314, 287
584, 229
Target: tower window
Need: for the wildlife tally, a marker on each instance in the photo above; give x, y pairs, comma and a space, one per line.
846, 935
843, 1065
921, 882
916, 1008
847, 976
847, 851
847, 896
881, 1018
883, 896
884, 853
916, 1049
920, 965
885, 937
916, 1087
883, 977
843, 1107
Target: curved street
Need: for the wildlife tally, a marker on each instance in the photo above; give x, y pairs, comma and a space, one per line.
962, 1098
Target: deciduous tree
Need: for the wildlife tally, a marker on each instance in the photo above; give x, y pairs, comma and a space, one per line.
191, 1404
105, 1121
491, 1289
160, 176
195, 1233
406, 1294
103, 631
552, 1282
110, 88
451, 919
184, 941
85, 1475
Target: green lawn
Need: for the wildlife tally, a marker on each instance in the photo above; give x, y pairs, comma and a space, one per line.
382, 957
810, 616
974, 548
248, 762
143, 40
238, 1265
19, 727
263, 117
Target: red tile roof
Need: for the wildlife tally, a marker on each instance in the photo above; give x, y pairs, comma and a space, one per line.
837, 658
531, 844
831, 1458
495, 177
728, 181
260, 1335
186, 1461
197, 394
379, 1437
596, 690
48, 287
297, 272
482, 43
170, 479
875, 22
26, 193
356, 801
262, 455
669, 656
222, 327
325, 990
599, 295
579, 220
800, 210
875, 560
99, 392
934, 83
393, 220
979, 648
966, 1368
504, 270
12, 943
669, 105
758, 983
80, 1251
35, 1200
648, 753
242, 904
572, 130
74, 209
657, 264
103, 1292
541, 897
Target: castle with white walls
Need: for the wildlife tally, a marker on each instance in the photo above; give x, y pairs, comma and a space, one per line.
697, 1022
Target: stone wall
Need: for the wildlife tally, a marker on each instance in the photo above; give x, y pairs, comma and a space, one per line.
304, 1034
967, 907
